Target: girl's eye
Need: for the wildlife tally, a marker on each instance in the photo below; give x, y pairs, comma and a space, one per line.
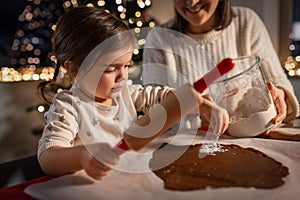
114, 69
110, 70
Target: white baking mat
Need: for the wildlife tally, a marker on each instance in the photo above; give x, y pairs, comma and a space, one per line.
123, 185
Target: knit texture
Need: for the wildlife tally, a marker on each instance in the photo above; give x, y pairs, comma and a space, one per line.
171, 58
74, 118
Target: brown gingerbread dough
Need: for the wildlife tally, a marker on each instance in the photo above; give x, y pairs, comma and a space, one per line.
236, 167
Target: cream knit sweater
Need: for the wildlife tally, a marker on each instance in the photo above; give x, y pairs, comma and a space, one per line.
74, 118
171, 58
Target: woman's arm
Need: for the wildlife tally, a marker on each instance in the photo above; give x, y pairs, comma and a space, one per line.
152, 57
262, 46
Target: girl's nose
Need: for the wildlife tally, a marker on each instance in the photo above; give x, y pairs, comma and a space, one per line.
122, 74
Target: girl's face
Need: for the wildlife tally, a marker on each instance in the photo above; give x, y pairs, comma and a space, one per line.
113, 79
198, 13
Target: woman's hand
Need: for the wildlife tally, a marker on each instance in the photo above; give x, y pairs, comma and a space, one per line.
98, 159
216, 116
278, 96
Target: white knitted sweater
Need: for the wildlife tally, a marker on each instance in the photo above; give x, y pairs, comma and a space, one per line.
171, 58
74, 118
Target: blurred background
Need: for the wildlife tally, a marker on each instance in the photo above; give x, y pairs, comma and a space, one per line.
26, 27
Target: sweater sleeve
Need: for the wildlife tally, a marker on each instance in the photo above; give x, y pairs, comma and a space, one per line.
144, 97
170, 58
262, 46
154, 60
61, 124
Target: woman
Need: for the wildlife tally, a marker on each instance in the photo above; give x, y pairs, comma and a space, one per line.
202, 33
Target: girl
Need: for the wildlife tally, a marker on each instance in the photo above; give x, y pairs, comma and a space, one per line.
85, 122
203, 33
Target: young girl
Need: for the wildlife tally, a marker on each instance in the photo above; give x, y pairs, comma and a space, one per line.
85, 122
202, 33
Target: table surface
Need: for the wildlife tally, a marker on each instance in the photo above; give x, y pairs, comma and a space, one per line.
17, 191
31, 172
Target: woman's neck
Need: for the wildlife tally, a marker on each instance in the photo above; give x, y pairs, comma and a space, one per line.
203, 28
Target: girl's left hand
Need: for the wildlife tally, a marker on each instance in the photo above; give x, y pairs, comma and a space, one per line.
98, 167
278, 96
215, 115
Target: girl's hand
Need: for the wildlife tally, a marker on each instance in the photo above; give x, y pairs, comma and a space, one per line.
216, 116
278, 96
98, 159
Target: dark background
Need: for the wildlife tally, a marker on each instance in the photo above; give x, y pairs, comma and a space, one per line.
9, 24
9, 11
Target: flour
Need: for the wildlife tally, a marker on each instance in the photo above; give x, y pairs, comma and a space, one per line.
253, 114
229, 93
253, 101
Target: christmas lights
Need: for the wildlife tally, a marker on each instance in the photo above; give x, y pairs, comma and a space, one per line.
292, 65
31, 46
